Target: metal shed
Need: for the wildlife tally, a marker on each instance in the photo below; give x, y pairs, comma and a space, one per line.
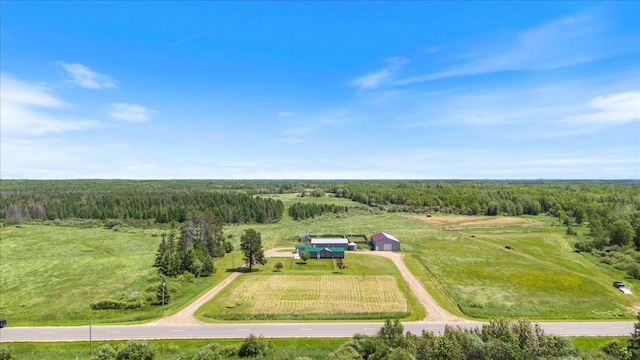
384, 242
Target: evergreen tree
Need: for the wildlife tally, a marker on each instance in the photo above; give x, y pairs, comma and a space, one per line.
251, 246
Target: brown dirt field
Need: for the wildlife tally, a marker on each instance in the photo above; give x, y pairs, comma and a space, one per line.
464, 221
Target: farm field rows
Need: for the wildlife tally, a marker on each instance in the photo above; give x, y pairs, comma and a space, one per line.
368, 288
317, 294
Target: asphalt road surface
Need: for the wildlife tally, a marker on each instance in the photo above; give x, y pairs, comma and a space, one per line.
273, 330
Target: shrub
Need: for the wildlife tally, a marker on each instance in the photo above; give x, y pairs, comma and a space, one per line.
345, 352
105, 352
209, 352
5, 353
135, 350
173, 349
189, 277
634, 271
110, 304
255, 346
278, 266
616, 350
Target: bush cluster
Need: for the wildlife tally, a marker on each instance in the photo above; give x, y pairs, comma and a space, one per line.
126, 302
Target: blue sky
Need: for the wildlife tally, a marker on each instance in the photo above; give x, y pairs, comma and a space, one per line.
320, 90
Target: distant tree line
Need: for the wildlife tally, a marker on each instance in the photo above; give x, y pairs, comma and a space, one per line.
302, 211
574, 198
162, 206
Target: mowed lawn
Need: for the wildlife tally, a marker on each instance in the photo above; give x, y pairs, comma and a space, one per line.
49, 275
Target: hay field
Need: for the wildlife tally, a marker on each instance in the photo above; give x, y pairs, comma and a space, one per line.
464, 221
317, 294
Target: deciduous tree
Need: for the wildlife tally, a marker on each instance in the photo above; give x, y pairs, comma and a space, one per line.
304, 256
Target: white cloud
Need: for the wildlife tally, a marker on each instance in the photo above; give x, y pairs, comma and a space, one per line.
563, 42
29, 109
382, 76
84, 77
130, 112
286, 114
612, 109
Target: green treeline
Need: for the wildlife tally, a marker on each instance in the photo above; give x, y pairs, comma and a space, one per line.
164, 206
499, 339
200, 241
490, 197
302, 211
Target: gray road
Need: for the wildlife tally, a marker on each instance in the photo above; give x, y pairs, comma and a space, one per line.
274, 330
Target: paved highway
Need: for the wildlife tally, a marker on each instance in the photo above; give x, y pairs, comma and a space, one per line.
274, 330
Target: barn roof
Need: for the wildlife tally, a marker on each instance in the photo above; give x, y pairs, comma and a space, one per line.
329, 241
383, 236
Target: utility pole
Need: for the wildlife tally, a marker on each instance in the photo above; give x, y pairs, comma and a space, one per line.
164, 284
406, 282
90, 342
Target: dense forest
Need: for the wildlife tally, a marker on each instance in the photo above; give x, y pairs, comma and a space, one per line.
302, 211
163, 205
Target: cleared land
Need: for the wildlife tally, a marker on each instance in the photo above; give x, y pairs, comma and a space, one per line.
317, 294
463, 263
542, 278
50, 274
462, 221
368, 288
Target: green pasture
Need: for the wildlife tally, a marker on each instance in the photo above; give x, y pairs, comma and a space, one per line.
51, 274
469, 271
542, 278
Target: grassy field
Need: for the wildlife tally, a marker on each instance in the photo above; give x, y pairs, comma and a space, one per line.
51, 274
369, 288
463, 263
541, 278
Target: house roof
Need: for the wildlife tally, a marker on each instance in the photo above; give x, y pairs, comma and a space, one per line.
312, 249
383, 236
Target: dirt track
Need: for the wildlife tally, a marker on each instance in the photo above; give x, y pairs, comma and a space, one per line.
185, 316
435, 313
